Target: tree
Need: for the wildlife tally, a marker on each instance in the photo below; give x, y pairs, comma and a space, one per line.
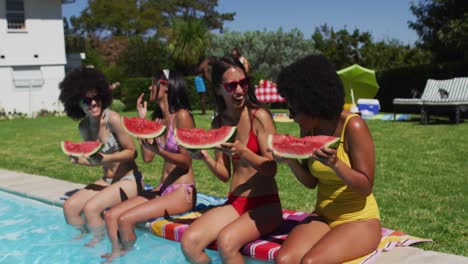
187, 40
145, 17
442, 26
344, 49
268, 52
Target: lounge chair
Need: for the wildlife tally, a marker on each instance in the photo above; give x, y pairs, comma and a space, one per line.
452, 98
430, 93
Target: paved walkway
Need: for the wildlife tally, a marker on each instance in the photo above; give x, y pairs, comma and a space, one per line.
51, 190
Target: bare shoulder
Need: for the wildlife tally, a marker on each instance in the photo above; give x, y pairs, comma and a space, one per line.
114, 117
183, 114
356, 122
262, 116
356, 126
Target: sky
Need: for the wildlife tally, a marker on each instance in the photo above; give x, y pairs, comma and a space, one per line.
384, 19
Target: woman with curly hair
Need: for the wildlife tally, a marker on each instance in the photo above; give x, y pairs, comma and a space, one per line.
346, 210
253, 207
86, 96
176, 192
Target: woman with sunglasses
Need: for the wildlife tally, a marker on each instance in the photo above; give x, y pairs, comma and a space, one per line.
86, 96
176, 192
346, 210
253, 207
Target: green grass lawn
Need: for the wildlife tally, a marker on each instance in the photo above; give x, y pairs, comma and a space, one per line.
420, 184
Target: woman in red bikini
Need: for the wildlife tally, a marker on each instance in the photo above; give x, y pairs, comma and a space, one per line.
176, 191
253, 207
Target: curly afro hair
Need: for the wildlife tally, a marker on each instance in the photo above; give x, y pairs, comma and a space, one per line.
77, 84
311, 86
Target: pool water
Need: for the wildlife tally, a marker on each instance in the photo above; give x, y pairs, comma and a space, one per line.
35, 232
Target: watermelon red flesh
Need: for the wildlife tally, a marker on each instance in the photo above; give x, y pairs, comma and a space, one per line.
299, 148
86, 148
197, 138
142, 128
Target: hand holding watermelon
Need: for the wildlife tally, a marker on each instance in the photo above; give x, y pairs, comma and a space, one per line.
84, 153
325, 155
232, 149
150, 144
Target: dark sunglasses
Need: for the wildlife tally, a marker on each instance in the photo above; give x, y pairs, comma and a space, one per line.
230, 87
89, 100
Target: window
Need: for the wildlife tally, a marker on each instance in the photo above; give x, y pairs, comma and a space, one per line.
15, 14
28, 77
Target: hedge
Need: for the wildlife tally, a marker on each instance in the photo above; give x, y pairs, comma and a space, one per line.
399, 82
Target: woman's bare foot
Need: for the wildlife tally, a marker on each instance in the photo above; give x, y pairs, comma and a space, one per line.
114, 255
98, 236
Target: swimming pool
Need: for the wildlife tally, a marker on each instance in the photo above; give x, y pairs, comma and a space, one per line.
35, 232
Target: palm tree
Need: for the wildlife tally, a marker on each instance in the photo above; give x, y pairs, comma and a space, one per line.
188, 38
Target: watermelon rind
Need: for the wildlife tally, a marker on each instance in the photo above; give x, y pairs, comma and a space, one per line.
187, 145
330, 144
154, 134
79, 154
333, 144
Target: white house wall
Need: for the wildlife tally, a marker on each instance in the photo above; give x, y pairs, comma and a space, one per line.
42, 45
31, 100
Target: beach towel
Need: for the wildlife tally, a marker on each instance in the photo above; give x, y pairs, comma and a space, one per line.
266, 247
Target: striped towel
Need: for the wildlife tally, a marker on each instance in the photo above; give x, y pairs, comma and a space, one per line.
266, 247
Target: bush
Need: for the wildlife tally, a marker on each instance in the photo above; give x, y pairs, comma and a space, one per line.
117, 105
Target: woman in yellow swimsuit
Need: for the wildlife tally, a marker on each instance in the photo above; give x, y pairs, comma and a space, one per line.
346, 210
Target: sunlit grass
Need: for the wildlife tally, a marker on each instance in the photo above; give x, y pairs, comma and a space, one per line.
420, 183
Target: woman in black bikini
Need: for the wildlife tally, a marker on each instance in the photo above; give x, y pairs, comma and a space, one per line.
86, 96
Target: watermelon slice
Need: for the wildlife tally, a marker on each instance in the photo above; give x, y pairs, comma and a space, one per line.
300, 148
198, 138
78, 149
142, 128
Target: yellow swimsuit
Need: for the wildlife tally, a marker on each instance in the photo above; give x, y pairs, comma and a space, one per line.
336, 202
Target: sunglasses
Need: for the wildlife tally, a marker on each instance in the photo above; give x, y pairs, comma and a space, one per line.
89, 100
230, 87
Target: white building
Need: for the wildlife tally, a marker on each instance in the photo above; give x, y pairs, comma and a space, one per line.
32, 55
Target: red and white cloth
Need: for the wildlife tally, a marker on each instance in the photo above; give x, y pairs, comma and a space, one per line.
266, 92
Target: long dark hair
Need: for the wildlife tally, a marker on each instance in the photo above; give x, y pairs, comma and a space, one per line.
177, 96
220, 66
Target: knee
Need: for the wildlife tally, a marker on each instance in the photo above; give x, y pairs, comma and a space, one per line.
72, 207
189, 242
313, 259
125, 220
285, 258
91, 209
111, 216
227, 245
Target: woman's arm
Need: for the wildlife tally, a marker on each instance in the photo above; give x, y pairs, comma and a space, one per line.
220, 165
360, 148
128, 151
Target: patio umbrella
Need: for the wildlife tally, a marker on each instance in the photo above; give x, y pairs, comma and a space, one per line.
358, 82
